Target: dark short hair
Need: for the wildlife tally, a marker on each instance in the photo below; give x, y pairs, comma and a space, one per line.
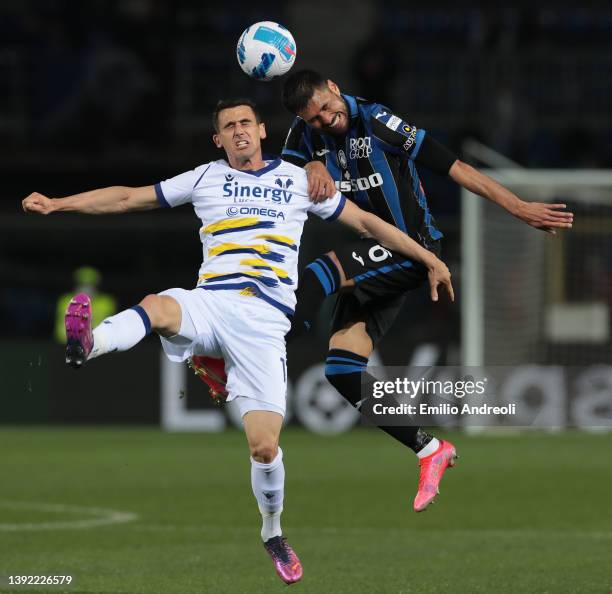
228, 104
299, 89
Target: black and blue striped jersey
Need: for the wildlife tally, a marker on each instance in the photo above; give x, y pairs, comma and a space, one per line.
374, 164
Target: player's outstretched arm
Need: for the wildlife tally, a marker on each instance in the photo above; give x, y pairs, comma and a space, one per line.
115, 199
540, 215
369, 225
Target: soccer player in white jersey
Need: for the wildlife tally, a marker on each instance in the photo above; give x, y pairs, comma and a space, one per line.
252, 214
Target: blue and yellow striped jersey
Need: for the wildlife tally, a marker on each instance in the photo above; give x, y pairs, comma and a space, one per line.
252, 223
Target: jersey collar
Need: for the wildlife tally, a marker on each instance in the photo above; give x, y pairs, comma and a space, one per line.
352, 105
273, 164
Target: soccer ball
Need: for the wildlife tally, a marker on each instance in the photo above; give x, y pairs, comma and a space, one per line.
266, 50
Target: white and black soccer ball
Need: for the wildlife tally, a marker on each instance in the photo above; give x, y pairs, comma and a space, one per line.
266, 50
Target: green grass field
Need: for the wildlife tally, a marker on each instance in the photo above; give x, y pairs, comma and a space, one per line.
519, 514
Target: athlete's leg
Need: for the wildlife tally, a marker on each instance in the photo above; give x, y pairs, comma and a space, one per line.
262, 430
347, 360
345, 368
155, 313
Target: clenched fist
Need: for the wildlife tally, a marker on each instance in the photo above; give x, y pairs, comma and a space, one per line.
37, 203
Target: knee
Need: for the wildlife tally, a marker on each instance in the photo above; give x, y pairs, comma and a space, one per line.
153, 305
264, 450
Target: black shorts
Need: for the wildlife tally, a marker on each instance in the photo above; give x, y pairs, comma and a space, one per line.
382, 278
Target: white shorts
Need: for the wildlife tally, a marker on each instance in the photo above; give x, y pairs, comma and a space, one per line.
247, 332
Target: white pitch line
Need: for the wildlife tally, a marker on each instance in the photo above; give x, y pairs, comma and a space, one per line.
101, 516
353, 531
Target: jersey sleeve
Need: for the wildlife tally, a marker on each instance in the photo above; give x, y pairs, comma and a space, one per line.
329, 209
401, 138
398, 136
178, 190
297, 149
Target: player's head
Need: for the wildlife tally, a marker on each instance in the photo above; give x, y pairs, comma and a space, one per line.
238, 130
317, 101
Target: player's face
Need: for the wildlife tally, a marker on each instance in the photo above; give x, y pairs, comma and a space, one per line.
239, 134
327, 111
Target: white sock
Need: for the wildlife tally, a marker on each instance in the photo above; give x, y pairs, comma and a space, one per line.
120, 332
429, 449
268, 482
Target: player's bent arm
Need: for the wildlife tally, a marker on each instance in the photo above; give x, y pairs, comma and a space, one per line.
111, 200
369, 225
537, 214
321, 184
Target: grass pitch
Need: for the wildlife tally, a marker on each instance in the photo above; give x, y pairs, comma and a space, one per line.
528, 513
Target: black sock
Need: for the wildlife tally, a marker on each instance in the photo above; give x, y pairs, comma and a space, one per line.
319, 279
346, 371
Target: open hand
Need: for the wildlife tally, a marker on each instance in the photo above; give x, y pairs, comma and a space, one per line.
546, 217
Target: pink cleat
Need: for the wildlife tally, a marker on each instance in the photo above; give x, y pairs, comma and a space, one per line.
78, 330
212, 372
286, 562
432, 469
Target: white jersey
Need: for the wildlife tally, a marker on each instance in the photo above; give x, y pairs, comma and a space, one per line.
252, 223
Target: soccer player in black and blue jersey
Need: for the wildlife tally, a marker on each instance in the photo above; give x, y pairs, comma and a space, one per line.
371, 155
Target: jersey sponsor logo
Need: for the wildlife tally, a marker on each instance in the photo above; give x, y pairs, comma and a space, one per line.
342, 159
411, 138
361, 183
236, 190
360, 147
394, 123
234, 211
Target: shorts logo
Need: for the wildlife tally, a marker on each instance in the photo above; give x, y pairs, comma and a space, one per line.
360, 148
342, 159
394, 123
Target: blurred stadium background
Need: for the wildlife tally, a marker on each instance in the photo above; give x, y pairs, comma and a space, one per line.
107, 92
